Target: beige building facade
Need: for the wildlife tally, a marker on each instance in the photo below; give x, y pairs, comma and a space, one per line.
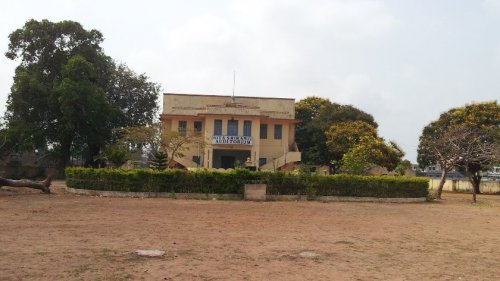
233, 131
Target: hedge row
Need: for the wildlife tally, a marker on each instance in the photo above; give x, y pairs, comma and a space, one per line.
232, 182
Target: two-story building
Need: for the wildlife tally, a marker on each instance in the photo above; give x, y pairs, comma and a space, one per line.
233, 131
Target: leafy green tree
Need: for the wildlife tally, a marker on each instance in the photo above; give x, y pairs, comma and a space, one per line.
310, 135
402, 167
371, 151
54, 108
445, 140
116, 154
356, 161
343, 136
316, 116
134, 96
84, 112
38, 107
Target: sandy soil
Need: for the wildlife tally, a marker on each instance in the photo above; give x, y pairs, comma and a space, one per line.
68, 237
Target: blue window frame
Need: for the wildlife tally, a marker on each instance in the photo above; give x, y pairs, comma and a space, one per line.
247, 128
217, 127
182, 128
232, 127
263, 131
278, 131
197, 127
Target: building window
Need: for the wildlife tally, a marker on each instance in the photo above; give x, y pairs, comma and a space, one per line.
263, 131
182, 128
196, 159
262, 161
197, 128
247, 128
277, 131
232, 127
217, 127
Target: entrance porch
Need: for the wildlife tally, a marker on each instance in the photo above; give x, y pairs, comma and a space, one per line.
229, 159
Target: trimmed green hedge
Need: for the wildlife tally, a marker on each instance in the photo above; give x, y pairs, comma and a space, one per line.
232, 182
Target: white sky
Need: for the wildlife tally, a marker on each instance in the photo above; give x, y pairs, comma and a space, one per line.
402, 61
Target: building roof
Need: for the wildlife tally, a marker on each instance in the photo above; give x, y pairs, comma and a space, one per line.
195, 105
236, 97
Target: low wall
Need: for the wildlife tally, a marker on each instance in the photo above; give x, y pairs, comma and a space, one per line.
465, 186
105, 193
237, 196
255, 192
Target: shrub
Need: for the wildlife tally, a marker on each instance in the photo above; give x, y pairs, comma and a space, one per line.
370, 186
232, 182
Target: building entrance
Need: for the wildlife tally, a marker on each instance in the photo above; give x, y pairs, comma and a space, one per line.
229, 159
227, 162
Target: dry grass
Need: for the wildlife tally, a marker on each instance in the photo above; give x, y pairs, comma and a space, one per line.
67, 237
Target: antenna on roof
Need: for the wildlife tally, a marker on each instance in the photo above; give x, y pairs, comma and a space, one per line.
234, 83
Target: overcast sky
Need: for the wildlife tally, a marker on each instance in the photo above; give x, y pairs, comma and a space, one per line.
402, 61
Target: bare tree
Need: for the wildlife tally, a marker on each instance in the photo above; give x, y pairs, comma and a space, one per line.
444, 147
176, 143
460, 123
478, 152
157, 138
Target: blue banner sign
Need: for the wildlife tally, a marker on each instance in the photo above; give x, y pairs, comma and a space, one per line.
241, 140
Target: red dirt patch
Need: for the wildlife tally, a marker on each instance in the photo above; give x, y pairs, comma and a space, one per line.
68, 237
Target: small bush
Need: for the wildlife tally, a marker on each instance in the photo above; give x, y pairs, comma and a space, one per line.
370, 186
232, 182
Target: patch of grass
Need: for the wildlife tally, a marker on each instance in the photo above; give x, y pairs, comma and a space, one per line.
124, 277
483, 204
80, 270
344, 242
186, 252
431, 196
106, 253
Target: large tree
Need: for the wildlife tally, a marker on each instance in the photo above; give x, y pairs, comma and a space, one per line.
447, 140
134, 96
478, 151
316, 116
442, 145
83, 109
369, 151
343, 136
68, 95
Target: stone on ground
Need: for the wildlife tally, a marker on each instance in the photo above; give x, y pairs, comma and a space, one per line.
149, 253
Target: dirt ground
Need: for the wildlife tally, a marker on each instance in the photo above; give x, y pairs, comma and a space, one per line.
68, 237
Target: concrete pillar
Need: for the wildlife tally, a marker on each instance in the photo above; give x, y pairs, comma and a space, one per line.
255, 192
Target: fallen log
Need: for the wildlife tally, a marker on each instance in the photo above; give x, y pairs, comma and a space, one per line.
41, 185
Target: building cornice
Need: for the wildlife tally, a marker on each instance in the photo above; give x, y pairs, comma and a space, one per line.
226, 96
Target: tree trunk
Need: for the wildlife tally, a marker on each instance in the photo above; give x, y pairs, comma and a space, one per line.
439, 190
93, 150
475, 181
43, 185
65, 153
473, 189
476, 178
